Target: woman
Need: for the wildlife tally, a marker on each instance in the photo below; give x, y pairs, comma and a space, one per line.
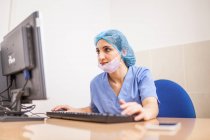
122, 87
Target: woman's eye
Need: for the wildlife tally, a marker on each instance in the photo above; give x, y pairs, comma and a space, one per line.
107, 49
97, 51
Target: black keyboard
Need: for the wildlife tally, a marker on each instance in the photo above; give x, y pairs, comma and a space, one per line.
20, 118
10, 113
91, 117
14, 116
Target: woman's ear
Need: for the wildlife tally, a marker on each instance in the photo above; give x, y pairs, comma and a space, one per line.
124, 52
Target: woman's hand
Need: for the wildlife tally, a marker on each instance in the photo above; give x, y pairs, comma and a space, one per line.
65, 108
71, 109
148, 111
133, 108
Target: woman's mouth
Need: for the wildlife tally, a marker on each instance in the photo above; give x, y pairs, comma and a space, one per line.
102, 63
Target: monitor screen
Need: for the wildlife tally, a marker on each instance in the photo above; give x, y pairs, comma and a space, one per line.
22, 63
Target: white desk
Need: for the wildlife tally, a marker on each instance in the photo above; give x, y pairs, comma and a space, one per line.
55, 129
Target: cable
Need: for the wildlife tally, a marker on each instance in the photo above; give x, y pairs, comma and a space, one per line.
27, 108
7, 87
37, 114
5, 108
27, 76
25, 85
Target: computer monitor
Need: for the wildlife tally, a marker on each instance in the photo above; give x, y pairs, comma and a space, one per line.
22, 64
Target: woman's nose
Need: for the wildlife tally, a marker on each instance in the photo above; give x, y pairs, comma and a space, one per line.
101, 56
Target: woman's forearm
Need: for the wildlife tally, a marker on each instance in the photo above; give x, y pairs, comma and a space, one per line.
151, 108
86, 109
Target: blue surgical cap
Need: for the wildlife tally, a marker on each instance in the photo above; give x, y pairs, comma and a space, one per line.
119, 41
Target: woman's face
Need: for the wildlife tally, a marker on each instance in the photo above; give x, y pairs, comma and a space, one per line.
106, 52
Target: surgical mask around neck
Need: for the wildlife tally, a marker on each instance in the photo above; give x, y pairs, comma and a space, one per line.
111, 66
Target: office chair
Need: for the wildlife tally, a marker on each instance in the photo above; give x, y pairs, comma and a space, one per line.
174, 100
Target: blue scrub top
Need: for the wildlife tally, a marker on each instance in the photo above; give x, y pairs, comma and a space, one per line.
138, 85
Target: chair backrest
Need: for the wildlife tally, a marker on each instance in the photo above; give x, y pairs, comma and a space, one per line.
174, 100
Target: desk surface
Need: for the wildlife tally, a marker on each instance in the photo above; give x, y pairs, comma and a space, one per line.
56, 129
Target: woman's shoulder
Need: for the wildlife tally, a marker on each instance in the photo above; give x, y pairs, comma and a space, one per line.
140, 71
98, 78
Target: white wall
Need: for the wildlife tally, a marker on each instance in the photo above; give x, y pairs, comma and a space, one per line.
70, 26
4, 17
159, 23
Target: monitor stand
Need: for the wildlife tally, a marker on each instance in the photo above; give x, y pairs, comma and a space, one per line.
14, 114
16, 99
